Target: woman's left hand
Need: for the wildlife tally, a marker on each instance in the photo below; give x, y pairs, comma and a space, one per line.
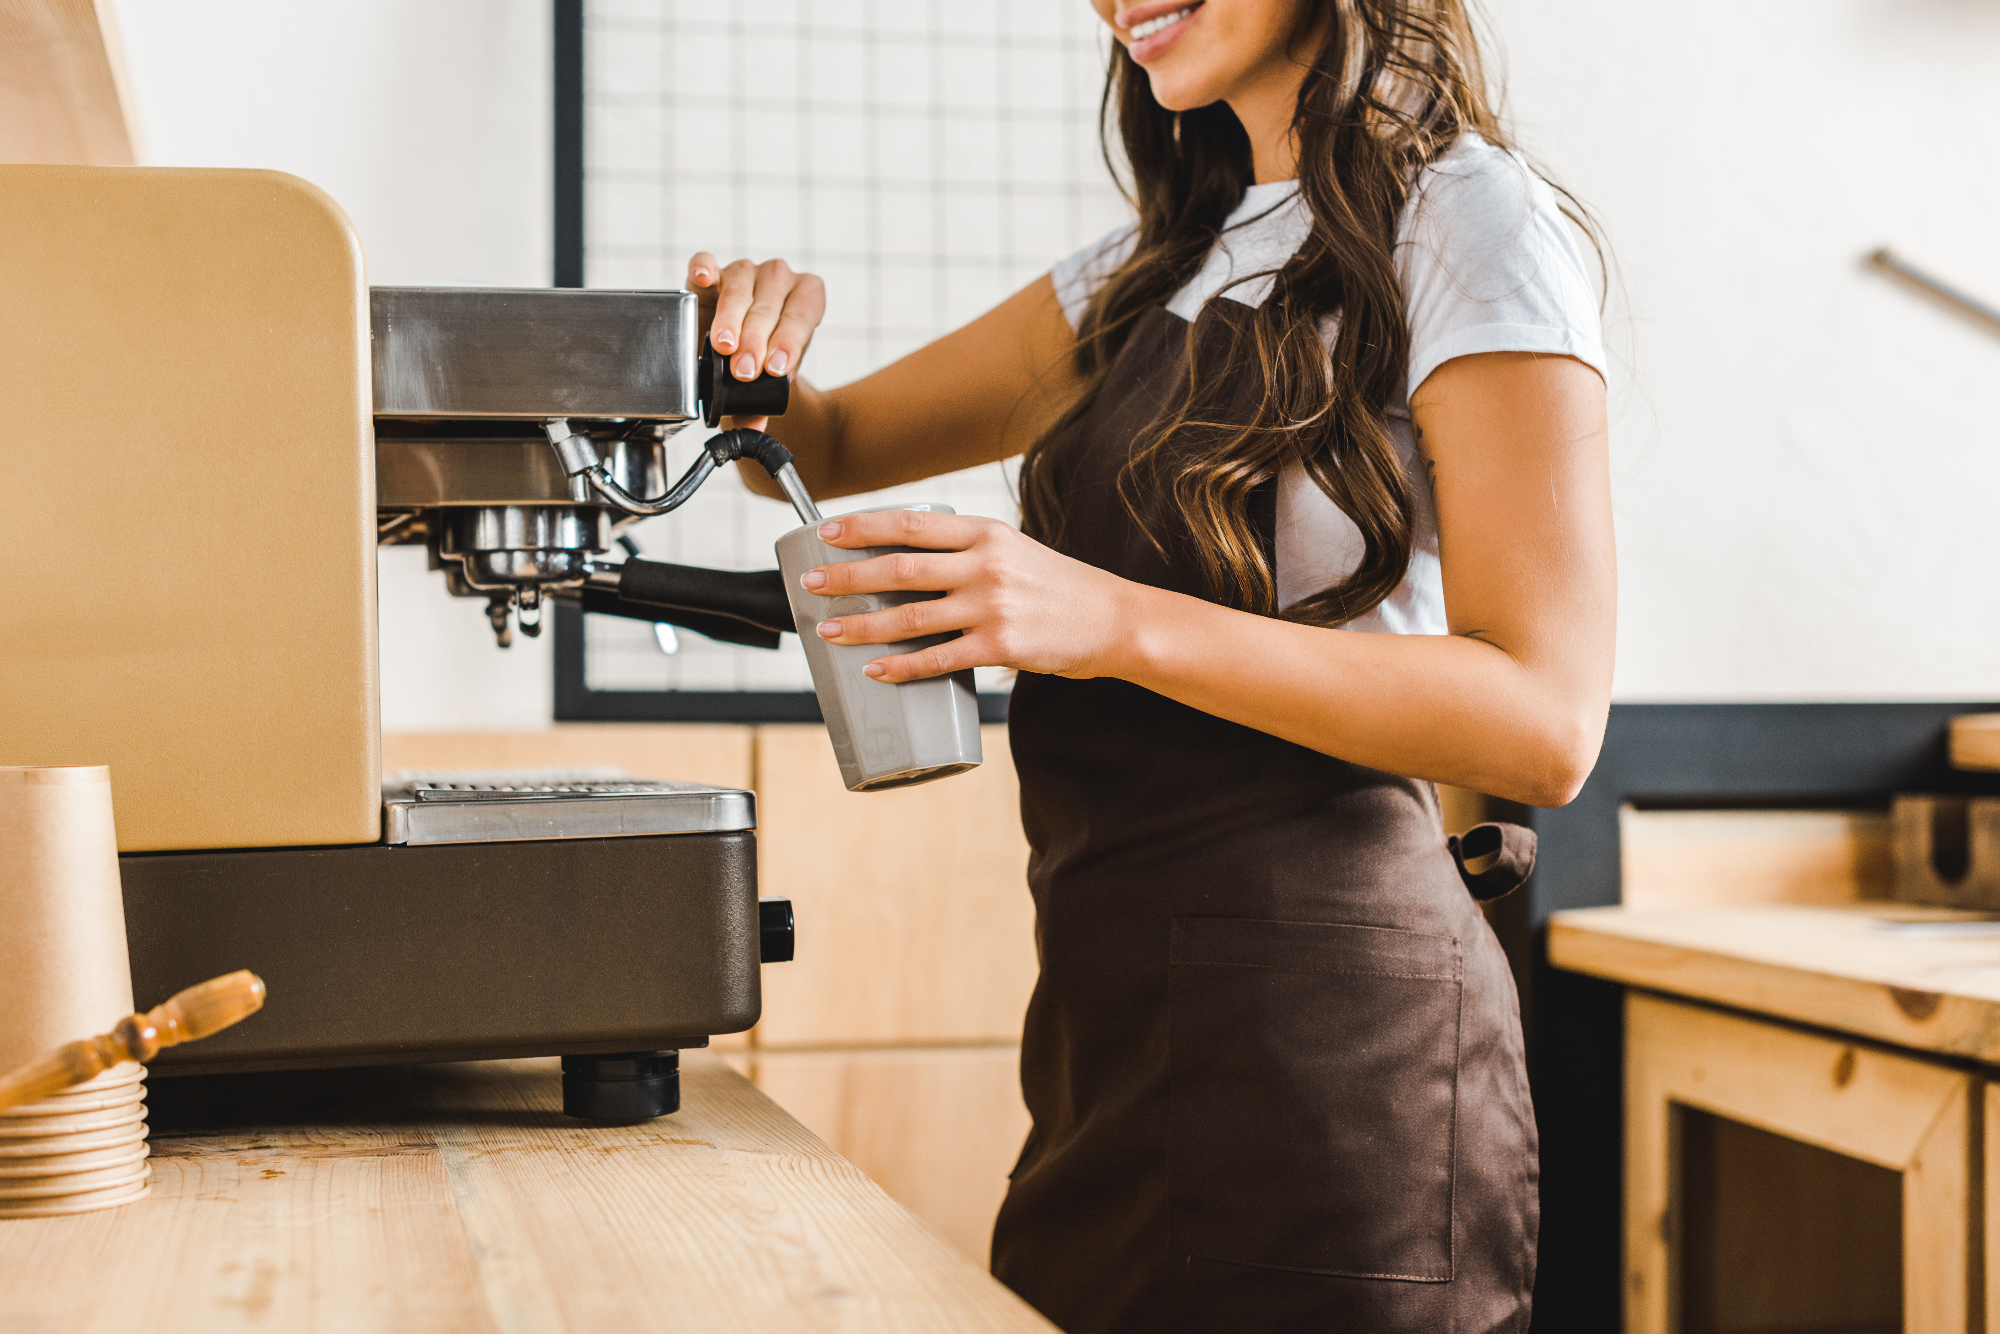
1019, 604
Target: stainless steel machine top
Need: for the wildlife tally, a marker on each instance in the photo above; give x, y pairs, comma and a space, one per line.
488, 806
471, 353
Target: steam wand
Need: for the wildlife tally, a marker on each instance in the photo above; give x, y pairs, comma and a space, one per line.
587, 473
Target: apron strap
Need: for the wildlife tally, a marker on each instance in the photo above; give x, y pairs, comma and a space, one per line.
1493, 859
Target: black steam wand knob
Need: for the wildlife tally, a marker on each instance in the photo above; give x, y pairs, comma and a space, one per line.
723, 395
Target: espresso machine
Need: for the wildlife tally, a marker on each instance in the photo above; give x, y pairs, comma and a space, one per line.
215, 420
517, 430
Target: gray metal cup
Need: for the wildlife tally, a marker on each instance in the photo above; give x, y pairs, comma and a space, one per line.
884, 735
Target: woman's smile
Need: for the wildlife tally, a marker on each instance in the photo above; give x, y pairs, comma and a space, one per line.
1152, 29
1251, 54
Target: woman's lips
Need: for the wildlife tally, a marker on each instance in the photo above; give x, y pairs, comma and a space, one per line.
1160, 32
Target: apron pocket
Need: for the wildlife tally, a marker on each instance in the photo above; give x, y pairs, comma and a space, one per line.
1313, 1077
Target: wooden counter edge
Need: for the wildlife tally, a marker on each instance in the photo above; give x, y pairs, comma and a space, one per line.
1902, 1016
503, 1211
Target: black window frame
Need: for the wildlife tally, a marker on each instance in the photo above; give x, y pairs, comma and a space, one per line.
575, 701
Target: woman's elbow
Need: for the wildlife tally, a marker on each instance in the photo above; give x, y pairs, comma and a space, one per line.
1560, 761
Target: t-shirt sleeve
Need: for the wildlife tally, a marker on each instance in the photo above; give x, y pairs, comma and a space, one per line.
1078, 277
1490, 264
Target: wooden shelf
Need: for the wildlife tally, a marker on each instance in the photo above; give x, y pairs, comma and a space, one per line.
1831, 967
1914, 1117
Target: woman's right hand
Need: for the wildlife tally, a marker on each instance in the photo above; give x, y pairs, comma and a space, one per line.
761, 316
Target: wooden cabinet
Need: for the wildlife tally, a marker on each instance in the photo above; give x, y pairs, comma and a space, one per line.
915, 926
1729, 1227
894, 1033
938, 1128
1809, 1158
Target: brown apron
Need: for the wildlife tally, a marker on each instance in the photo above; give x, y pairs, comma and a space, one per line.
1274, 1055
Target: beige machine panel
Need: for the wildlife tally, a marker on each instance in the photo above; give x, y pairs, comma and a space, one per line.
187, 466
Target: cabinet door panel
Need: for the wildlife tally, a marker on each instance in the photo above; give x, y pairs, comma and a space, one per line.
937, 1128
914, 922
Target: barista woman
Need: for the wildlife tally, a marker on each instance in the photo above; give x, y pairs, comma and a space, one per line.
1315, 512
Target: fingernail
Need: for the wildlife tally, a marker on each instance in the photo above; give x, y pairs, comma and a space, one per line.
703, 275
829, 629
874, 669
744, 367
723, 340
831, 530
778, 363
813, 578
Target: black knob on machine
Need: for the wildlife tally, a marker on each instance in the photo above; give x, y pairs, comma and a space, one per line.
723, 395
774, 923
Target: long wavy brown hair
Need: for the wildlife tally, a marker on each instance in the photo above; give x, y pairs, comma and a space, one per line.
1389, 88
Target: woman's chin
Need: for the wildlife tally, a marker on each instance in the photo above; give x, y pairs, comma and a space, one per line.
1181, 93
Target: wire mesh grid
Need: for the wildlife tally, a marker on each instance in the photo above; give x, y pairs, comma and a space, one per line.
925, 157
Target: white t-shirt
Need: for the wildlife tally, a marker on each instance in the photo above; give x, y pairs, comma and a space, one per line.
1488, 264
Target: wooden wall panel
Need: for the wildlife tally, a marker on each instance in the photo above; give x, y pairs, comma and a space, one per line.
915, 925
1461, 808
1781, 1237
692, 752
1685, 859
1975, 742
937, 1128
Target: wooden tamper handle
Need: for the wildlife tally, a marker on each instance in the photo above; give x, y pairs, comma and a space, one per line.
208, 1007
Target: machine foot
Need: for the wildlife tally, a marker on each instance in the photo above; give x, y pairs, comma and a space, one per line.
622, 1086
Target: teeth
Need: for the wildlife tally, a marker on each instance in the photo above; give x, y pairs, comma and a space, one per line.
1161, 24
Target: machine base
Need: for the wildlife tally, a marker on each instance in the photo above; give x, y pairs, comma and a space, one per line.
378, 954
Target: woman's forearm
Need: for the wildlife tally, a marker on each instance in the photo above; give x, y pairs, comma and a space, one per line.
1516, 711
1450, 708
978, 395
1512, 703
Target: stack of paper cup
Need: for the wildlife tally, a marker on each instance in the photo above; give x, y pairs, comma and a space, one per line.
64, 975
83, 1149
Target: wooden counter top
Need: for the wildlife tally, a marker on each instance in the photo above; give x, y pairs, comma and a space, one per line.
459, 1198
1864, 969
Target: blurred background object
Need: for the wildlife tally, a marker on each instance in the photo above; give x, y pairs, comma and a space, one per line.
1937, 289
63, 92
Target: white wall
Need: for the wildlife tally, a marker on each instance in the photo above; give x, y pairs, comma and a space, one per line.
429, 121
1806, 455
1806, 459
